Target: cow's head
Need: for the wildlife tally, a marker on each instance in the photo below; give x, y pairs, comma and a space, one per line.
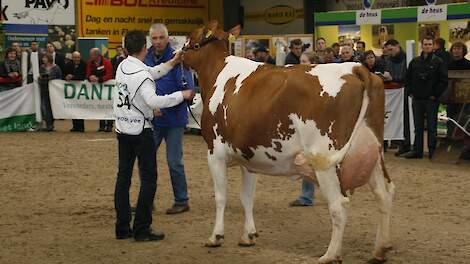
206, 40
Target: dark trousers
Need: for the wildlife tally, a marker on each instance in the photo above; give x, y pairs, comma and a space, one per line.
406, 124
78, 124
425, 110
46, 109
130, 147
106, 124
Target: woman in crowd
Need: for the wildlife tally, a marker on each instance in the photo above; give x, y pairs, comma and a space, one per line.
10, 71
309, 57
373, 65
48, 71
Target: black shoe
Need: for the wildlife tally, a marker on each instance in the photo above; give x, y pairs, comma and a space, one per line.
297, 202
77, 130
413, 155
401, 151
431, 153
149, 235
124, 235
178, 209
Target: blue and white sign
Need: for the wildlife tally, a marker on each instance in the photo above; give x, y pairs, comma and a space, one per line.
432, 12
368, 17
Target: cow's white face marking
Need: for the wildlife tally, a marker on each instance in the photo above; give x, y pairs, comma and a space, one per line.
330, 75
237, 67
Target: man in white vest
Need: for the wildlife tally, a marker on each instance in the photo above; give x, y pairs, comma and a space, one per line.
134, 103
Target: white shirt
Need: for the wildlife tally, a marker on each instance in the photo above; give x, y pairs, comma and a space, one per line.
135, 98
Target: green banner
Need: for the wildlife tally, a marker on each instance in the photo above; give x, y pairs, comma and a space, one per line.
17, 123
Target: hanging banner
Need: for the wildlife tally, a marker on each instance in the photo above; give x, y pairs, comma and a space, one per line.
432, 13
393, 128
81, 99
113, 19
369, 17
38, 12
17, 106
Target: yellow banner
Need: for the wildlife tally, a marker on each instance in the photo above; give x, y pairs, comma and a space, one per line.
113, 18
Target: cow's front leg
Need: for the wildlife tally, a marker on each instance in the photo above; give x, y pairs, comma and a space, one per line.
218, 168
331, 190
247, 192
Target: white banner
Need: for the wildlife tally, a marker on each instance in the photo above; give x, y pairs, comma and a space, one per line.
393, 128
81, 99
369, 17
39, 12
17, 108
432, 13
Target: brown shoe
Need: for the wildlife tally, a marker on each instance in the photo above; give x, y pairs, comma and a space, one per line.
178, 209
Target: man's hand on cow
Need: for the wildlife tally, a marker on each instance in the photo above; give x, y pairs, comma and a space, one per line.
157, 112
177, 58
188, 94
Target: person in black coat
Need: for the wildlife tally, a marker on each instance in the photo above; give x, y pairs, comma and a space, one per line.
293, 57
58, 58
440, 50
120, 56
426, 80
75, 70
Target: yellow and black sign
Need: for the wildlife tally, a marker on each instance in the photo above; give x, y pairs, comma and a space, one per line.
277, 15
114, 18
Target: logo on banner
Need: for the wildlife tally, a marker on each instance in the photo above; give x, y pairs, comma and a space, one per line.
46, 4
279, 15
432, 12
3, 15
368, 3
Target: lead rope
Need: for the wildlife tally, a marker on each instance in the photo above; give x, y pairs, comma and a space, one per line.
184, 82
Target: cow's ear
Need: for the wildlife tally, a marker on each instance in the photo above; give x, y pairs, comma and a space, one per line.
235, 32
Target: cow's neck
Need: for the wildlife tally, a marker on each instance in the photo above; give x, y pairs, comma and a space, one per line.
209, 68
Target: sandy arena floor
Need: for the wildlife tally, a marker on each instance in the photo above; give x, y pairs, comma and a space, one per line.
56, 204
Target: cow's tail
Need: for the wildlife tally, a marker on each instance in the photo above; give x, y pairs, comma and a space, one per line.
372, 109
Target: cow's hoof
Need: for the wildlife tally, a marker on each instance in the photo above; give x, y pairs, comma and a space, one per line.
217, 242
376, 261
329, 260
248, 242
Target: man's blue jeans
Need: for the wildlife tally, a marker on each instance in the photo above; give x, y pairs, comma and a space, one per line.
174, 155
308, 189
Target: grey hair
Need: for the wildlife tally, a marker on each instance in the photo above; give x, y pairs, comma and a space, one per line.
159, 26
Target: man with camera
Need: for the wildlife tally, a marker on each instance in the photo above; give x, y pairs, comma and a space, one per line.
426, 80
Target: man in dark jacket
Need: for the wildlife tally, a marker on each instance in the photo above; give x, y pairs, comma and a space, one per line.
58, 58
120, 56
171, 122
293, 57
395, 62
75, 70
426, 80
440, 50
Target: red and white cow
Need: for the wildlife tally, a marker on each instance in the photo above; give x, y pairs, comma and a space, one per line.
322, 122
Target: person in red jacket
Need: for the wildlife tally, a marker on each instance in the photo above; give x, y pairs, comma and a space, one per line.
98, 70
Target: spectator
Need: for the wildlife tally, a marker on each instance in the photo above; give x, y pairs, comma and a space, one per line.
48, 71
33, 51
440, 50
120, 56
458, 50
347, 54
329, 56
75, 70
360, 49
336, 47
58, 58
309, 57
19, 51
293, 57
374, 66
262, 55
10, 72
171, 123
320, 47
426, 80
349, 42
99, 70
308, 189
396, 64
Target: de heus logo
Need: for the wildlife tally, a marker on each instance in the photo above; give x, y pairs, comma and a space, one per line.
368, 3
46, 4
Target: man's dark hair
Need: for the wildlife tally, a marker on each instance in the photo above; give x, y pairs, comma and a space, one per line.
329, 50
10, 50
361, 42
295, 42
392, 42
428, 37
440, 42
336, 44
134, 41
119, 46
459, 44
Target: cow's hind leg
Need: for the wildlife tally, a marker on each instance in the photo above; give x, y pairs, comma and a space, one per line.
247, 193
383, 190
331, 190
218, 168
